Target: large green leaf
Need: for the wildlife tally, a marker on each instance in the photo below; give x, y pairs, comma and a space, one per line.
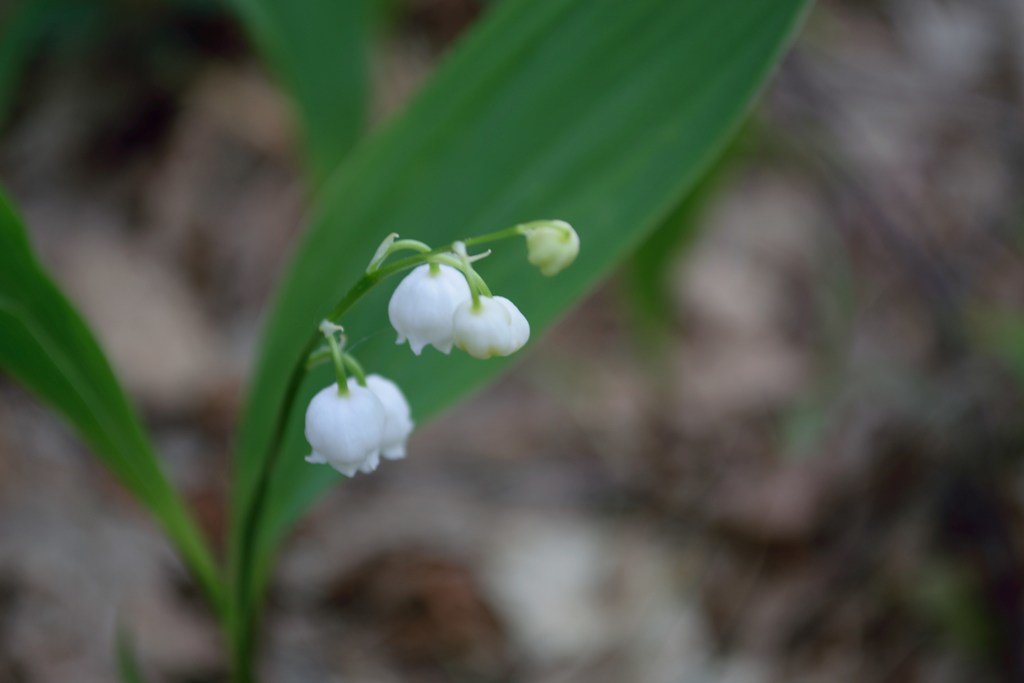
47, 347
23, 24
600, 112
317, 49
651, 265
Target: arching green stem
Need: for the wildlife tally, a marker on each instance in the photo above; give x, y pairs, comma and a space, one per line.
477, 286
338, 358
355, 368
392, 245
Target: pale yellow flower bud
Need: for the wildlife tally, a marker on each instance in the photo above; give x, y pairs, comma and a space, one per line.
551, 245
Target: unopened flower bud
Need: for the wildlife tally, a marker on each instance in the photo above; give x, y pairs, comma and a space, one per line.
551, 245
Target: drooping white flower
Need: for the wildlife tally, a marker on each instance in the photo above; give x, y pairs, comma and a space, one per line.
346, 431
492, 327
551, 246
398, 422
423, 304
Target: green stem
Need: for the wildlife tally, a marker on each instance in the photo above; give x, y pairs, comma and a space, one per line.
472, 277
355, 368
242, 624
514, 231
317, 357
205, 569
477, 286
389, 246
410, 245
339, 364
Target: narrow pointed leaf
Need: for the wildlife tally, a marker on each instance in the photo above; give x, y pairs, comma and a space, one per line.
23, 24
128, 668
317, 49
46, 346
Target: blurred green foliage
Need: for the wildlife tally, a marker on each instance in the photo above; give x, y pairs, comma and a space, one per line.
128, 667
318, 50
48, 347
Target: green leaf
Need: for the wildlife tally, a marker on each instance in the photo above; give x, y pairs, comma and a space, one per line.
128, 667
651, 265
22, 26
318, 50
46, 346
646, 276
600, 112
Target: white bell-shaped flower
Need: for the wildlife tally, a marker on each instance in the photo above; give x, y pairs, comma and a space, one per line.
423, 304
398, 422
346, 431
492, 327
551, 246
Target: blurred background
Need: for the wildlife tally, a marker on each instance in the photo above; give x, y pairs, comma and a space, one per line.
783, 444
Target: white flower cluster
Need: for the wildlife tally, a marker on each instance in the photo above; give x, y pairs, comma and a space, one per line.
441, 303
433, 306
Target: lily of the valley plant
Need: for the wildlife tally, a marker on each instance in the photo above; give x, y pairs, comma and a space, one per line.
361, 419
